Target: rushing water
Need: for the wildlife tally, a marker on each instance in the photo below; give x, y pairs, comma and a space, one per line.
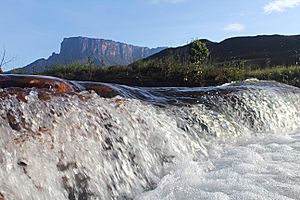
236, 141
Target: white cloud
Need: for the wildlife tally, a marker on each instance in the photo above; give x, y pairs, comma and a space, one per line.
280, 5
235, 27
166, 1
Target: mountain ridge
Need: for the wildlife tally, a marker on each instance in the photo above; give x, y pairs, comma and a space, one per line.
102, 52
260, 51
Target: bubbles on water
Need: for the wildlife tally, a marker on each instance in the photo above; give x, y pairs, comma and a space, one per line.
261, 167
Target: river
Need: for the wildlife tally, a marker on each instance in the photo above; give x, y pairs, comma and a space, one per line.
240, 140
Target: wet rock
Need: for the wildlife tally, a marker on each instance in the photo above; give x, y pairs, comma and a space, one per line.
2, 196
79, 189
63, 166
22, 163
108, 145
101, 89
18, 92
41, 82
13, 122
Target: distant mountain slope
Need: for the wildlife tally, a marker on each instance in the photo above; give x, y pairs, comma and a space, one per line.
79, 49
261, 51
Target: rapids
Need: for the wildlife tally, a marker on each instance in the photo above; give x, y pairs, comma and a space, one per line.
106, 141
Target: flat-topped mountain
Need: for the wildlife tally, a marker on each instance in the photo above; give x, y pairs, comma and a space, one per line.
255, 51
100, 51
261, 51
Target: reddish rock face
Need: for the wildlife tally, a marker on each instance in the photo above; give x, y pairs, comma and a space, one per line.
102, 90
40, 82
22, 85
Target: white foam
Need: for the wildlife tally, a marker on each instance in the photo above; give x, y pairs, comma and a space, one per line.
94, 148
91, 147
254, 167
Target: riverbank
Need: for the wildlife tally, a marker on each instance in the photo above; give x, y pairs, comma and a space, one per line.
172, 75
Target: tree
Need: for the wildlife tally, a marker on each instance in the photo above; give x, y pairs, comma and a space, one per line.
90, 65
199, 52
102, 63
3, 61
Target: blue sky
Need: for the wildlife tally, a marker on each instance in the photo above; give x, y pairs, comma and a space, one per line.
31, 29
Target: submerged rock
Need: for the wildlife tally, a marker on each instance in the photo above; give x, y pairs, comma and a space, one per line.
22, 85
41, 82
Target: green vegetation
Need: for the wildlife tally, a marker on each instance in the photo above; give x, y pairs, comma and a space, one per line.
199, 52
153, 74
175, 68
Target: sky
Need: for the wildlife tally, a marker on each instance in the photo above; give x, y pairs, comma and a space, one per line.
32, 29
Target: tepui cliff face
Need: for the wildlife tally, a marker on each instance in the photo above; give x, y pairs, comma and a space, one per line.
101, 52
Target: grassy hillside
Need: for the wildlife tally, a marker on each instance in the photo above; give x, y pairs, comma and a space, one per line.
257, 52
174, 75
